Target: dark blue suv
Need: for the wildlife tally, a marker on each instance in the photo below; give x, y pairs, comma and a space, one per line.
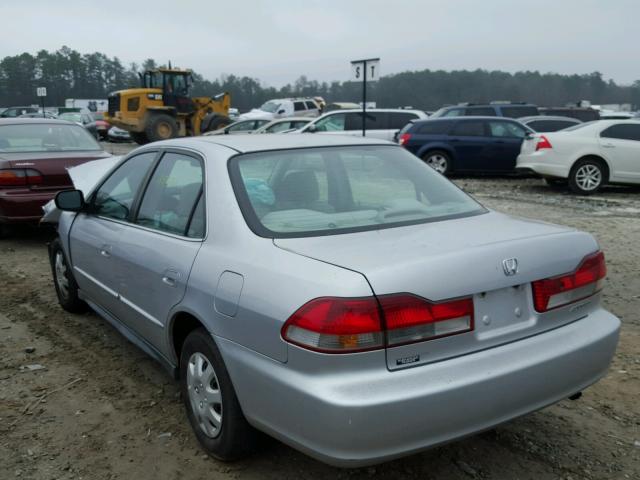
493, 109
466, 144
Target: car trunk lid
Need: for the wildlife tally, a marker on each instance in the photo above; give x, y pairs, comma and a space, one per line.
459, 259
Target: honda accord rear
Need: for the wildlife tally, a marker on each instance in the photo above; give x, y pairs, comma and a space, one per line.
337, 294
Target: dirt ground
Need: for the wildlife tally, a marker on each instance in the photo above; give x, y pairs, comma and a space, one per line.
101, 409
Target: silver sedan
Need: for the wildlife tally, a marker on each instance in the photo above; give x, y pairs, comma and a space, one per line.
333, 292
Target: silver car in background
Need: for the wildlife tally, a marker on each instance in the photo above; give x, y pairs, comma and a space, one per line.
333, 292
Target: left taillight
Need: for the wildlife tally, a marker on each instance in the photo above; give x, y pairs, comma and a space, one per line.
348, 325
585, 281
18, 177
404, 138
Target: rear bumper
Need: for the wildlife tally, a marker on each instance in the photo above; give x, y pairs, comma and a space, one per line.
356, 418
542, 164
23, 206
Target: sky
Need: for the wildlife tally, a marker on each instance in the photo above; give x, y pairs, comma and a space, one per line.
276, 41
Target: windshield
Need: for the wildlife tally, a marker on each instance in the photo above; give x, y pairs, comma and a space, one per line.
326, 191
71, 117
42, 137
270, 106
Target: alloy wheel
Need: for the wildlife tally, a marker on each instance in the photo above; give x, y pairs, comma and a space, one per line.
438, 162
61, 275
205, 395
588, 177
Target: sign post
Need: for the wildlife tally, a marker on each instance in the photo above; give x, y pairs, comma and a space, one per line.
42, 92
363, 71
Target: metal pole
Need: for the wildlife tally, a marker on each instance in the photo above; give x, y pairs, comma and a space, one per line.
42, 101
364, 99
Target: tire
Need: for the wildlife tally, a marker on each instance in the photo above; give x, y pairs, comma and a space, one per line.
214, 121
66, 286
587, 176
5, 231
438, 160
161, 127
139, 137
232, 437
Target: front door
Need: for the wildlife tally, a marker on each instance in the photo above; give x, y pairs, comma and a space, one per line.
471, 142
620, 144
95, 236
506, 141
160, 245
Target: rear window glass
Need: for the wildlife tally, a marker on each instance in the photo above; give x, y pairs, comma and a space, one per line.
550, 125
42, 137
326, 191
480, 112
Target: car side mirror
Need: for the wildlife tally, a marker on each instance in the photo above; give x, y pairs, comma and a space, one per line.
281, 111
70, 201
312, 129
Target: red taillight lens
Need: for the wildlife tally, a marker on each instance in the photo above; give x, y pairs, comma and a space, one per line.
347, 325
556, 292
336, 325
404, 138
17, 177
413, 319
543, 142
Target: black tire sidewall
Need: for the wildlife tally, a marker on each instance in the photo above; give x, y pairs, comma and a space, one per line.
151, 130
447, 157
215, 122
573, 185
71, 303
235, 439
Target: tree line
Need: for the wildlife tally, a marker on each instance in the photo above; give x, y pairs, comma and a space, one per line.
68, 73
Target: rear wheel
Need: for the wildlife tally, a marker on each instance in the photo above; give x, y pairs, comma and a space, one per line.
438, 160
139, 137
587, 176
161, 127
210, 399
66, 286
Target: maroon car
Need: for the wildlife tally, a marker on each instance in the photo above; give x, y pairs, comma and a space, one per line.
35, 154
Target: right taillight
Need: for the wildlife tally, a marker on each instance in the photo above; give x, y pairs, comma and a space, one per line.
347, 325
555, 292
18, 177
404, 138
543, 142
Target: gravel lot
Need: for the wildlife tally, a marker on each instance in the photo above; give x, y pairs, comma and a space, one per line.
101, 409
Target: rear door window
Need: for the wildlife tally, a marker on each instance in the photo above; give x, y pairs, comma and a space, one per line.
375, 121
519, 111
469, 129
311, 105
170, 200
115, 197
622, 131
298, 106
434, 128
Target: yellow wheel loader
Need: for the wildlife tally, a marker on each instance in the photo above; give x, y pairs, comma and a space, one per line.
163, 108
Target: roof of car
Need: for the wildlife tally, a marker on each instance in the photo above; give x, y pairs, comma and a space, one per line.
24, 121
548, 117
466, 117
256, 143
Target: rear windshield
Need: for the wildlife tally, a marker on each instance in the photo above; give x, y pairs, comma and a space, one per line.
43, 137
327, 191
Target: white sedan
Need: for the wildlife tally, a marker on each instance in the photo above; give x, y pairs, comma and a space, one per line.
588, 155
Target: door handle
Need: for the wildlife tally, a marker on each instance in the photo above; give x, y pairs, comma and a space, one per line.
105, 251
171, 277
608, 145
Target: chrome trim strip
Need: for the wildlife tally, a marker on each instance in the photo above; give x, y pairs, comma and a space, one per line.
96, 281
146, 315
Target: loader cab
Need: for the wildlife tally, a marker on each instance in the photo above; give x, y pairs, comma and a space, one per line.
175, 85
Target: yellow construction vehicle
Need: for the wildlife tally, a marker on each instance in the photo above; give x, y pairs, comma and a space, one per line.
163, 107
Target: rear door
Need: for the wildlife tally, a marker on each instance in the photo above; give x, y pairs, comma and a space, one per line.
620, 144
95, 237
376, 125
471, 143
506, 141
157, 249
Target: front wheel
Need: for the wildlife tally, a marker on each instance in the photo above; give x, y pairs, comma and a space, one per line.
438, 160
161, 127
210, 399
66, 286
587, 176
